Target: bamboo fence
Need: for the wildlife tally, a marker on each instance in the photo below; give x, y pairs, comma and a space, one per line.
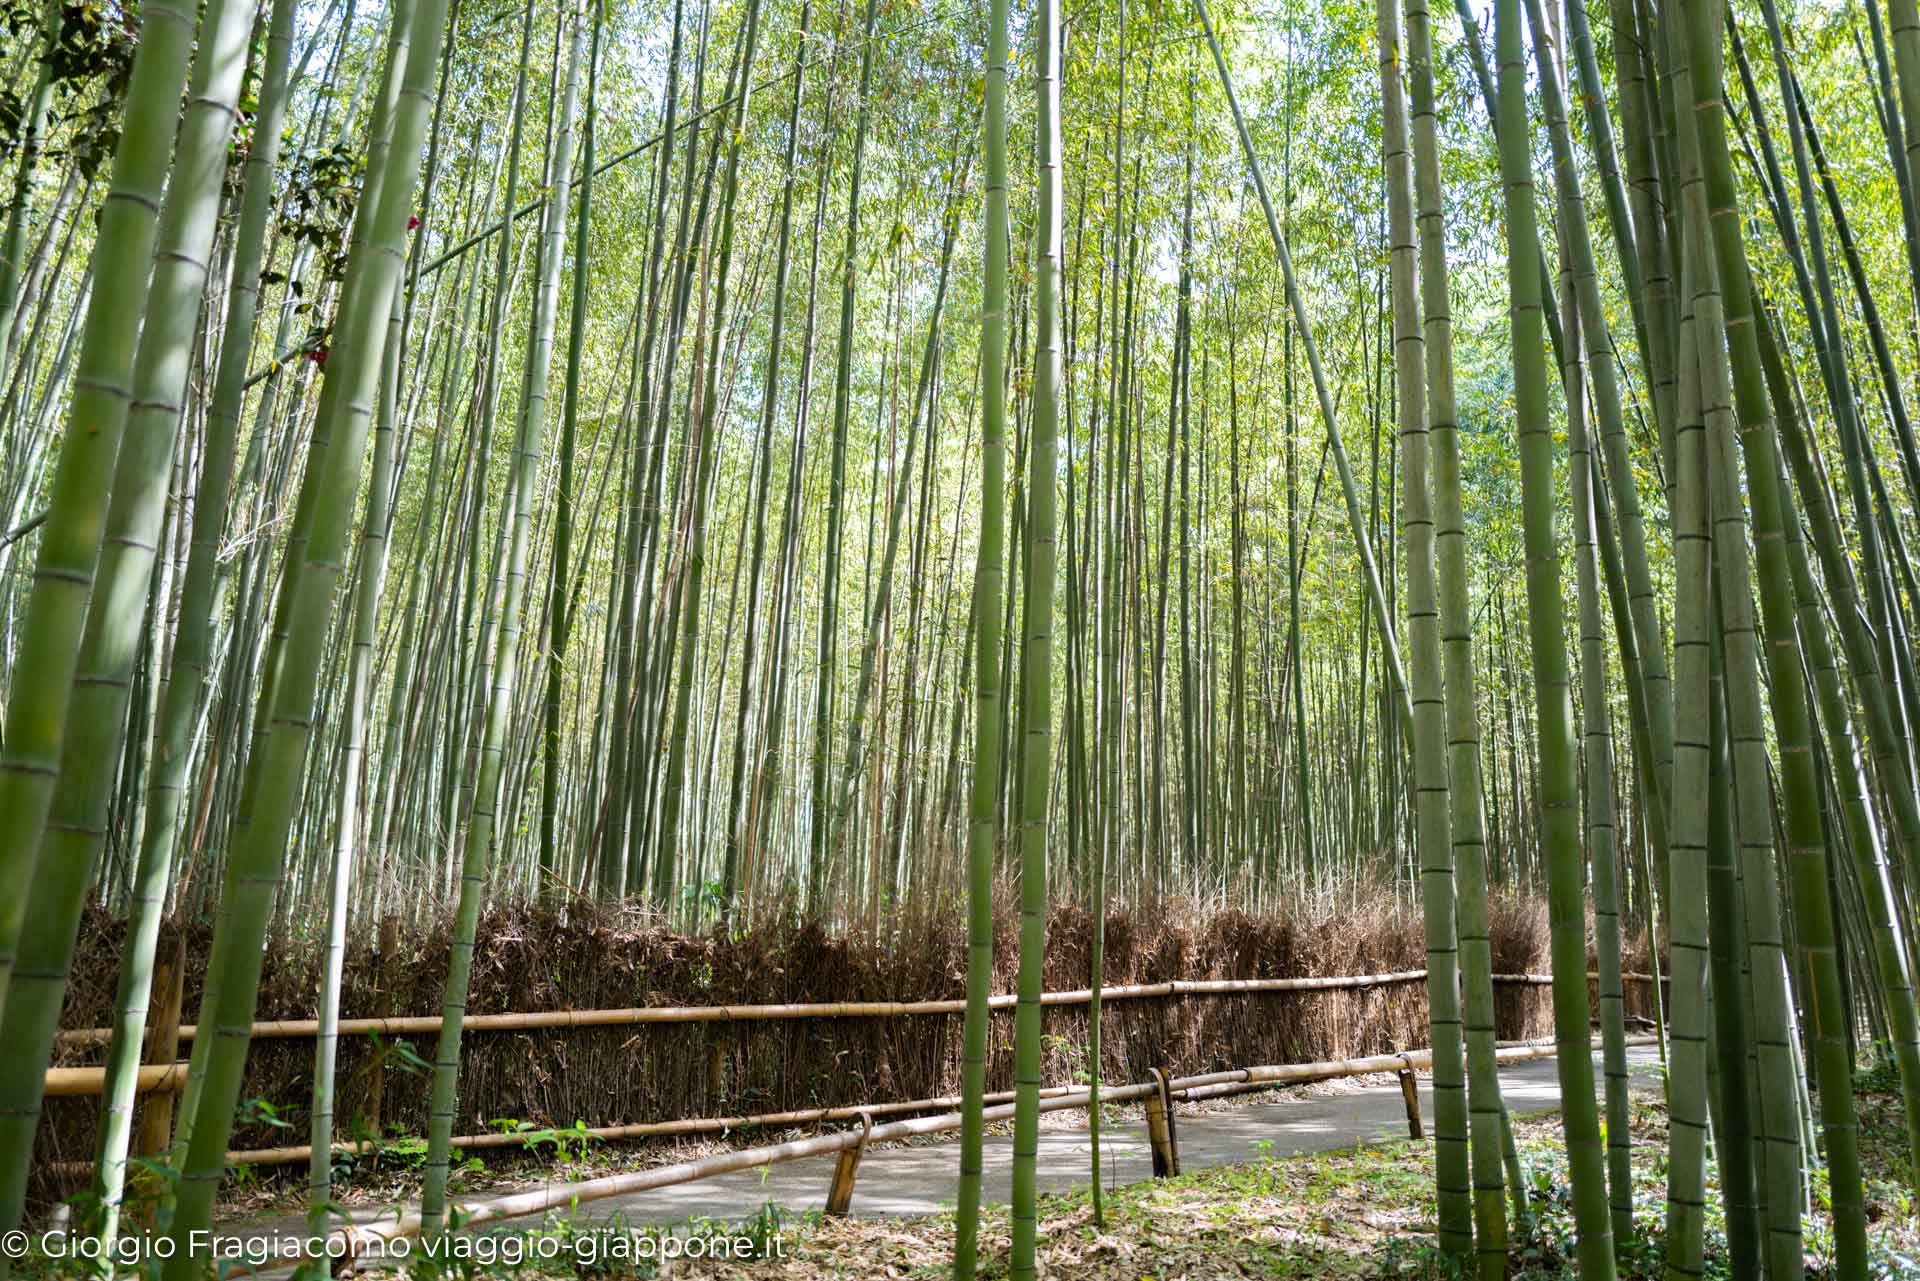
357, 1240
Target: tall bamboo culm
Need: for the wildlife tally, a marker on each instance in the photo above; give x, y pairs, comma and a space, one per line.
1036, 664
257, 859
1560, 834
1429, 730
63, 576
528, 440
989, 591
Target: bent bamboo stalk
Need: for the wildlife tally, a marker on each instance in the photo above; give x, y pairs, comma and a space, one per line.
430, 1023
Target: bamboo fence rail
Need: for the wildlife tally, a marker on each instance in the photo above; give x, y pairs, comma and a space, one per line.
547, 1019
80, 1082
298, 1154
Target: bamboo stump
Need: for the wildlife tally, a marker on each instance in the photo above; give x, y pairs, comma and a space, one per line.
1410, 1093
1162, 1134
846, 1170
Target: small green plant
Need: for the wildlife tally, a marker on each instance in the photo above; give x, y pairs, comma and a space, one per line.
1881, 1075
570, 1144
398, 1054
259, 1112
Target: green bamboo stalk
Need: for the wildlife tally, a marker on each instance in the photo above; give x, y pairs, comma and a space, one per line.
1356, 519
1642, 129
111, 642
781, 659
705, 453
200, 603
1730, 1034
1688, 826
1864, 658
1778, 1125
1601, 362
1602, 847
255, 863
612, 872
559, 614
821, 812
1106, 842
1560, 835
983, 819
737, 831
32, 126
475, 611
1800, 787
1466, 820
1878, 893
370, 578
1429, 730
1904, 18
1036, 664
481, 824
49, 639
859, 741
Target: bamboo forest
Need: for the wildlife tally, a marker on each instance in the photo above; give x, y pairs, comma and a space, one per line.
1139, 639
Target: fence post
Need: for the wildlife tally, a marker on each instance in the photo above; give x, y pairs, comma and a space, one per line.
1410, 1092
388, 966
1162, 1134
840, 1194
716, 1069
155, 1132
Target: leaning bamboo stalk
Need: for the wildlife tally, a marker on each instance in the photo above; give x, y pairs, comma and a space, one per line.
1357, 522
482, 819
271, 786
412, 1024
124, 595
202, 595
50, 633
1467, 826
1799, 787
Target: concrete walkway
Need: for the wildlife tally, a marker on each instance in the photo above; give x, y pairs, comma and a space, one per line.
919, 1180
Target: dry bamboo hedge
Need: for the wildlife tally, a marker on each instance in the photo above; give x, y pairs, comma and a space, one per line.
540, 959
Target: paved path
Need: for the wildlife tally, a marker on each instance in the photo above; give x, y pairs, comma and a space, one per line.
917, 1180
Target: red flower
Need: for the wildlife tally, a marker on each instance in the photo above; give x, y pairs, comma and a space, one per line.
318, 355
413, 222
